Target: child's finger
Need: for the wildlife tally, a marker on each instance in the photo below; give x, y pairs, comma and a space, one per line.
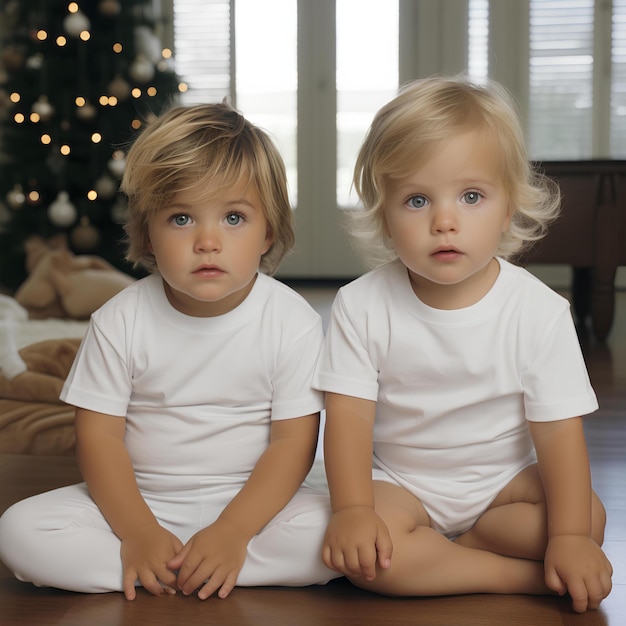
176, 562
554, 582
229, 585
130, 577
214, 582
151, 584
384, 547
367, 562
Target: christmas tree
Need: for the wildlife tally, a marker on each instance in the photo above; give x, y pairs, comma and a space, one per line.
77, 81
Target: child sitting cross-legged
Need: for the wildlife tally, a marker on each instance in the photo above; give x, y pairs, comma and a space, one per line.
457, 375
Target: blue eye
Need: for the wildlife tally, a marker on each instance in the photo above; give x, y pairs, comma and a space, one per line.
232, 219
416, 202
472, 197
180, 219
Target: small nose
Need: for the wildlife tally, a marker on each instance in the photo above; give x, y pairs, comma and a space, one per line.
444, 219
207, 239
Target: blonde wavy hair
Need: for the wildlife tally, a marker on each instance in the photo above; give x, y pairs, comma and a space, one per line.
204, 148
406, 131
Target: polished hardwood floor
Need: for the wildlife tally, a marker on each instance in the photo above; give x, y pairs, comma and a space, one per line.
339, 603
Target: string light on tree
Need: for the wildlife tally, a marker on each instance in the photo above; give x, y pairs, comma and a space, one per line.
83, 76
33, 196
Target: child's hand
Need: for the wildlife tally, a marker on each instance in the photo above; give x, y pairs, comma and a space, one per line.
145, 556
356, 541
213, 556
576, 564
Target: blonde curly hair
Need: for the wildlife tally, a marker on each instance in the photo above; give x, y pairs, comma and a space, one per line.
207, 148
406, 131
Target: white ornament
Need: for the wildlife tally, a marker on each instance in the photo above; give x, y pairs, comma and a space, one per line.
141, 69
106, 186
117, 167
119, 212
148, 44
87, 112
85, 236
16, 197
119, 88
62, 212
43, 108
75, 23
35, 62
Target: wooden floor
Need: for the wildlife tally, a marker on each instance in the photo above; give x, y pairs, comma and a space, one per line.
339, 603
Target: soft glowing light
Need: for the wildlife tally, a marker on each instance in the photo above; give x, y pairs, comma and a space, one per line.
35, 117
182, 87
136, 124
136, 92
33, 196
61, 41
64, 150
96, 137
92, 194
167, 53
72, 7
117, 48
112, 101
15, 97
103, 100
80, 101
151, 91
85, 35
42, 35
46, 139
19, 118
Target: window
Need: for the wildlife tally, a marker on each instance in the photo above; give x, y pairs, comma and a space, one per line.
618, 84
367, 77
267, 75
561, 78
478, 40
313, 73
202, 44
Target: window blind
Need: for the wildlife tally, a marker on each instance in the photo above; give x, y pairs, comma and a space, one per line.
561, 78
203, 49
618, 82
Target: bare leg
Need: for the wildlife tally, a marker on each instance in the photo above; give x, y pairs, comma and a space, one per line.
516, 522
426, 563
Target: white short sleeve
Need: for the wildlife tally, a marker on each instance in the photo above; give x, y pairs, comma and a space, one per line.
556, 384
346, 363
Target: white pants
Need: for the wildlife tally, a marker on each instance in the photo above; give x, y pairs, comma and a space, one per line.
61, 539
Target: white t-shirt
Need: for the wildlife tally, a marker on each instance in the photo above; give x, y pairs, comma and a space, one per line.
454, 388
198, 394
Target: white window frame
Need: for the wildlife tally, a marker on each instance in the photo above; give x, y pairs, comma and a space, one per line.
432, 39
